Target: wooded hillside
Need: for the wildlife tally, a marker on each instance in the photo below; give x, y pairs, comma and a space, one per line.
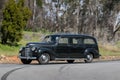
99, 18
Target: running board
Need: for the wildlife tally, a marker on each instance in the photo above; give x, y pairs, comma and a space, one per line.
67, 58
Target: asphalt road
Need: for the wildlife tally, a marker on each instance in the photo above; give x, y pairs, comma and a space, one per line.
61, 71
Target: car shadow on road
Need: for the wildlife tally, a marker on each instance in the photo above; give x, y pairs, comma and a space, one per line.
57, 63
76, 62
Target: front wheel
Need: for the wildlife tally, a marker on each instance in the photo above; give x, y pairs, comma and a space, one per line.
25, 61
44, 58
89, 58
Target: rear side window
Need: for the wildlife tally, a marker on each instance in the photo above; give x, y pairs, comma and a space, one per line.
89, 41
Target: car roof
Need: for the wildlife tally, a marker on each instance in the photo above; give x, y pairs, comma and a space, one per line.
71, 35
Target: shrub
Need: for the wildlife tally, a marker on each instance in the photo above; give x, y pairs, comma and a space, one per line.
15, 17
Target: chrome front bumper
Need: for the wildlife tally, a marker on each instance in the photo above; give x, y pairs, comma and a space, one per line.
22, 57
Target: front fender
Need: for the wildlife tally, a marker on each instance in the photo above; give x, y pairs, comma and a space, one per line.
45, 50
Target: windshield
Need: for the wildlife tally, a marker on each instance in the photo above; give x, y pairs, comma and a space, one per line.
49, 39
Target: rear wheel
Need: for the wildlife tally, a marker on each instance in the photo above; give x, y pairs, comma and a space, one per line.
25, 61
44, 58
70, 61
89, 58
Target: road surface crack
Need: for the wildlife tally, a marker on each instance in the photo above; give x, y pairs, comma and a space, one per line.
63, 68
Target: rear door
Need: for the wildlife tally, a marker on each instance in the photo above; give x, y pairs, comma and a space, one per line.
62, 48
76, 47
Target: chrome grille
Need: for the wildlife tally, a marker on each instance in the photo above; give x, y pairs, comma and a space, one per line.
28, 52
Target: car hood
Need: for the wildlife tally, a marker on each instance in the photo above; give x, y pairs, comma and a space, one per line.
38, 44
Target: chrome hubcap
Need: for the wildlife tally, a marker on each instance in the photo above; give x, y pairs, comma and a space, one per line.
89, 57
44, 58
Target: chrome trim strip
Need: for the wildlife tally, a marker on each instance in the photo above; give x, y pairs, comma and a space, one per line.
27, 57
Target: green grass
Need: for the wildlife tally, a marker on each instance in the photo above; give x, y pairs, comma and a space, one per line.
8, 50
28, 37
106, 50
32, 37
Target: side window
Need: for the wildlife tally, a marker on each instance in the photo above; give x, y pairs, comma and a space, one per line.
63, 41
77, 41
89, 41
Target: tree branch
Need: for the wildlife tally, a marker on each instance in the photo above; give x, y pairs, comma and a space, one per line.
117, 27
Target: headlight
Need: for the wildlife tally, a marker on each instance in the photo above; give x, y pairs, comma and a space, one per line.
33, 48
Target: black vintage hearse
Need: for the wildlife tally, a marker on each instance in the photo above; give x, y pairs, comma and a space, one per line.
60, 47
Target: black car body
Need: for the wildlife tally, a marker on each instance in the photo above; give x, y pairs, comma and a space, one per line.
60, 47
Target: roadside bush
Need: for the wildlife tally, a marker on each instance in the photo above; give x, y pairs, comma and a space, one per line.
15, 17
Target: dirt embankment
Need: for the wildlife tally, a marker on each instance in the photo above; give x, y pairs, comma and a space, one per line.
9, 59
16, 60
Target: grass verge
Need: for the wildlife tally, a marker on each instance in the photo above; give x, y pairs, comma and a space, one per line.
109, 50
8, 50
27, 37
105, 50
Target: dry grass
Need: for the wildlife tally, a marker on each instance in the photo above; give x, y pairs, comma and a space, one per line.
109, 50
110, 47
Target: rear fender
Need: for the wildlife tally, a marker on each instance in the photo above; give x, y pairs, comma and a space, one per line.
90, 51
